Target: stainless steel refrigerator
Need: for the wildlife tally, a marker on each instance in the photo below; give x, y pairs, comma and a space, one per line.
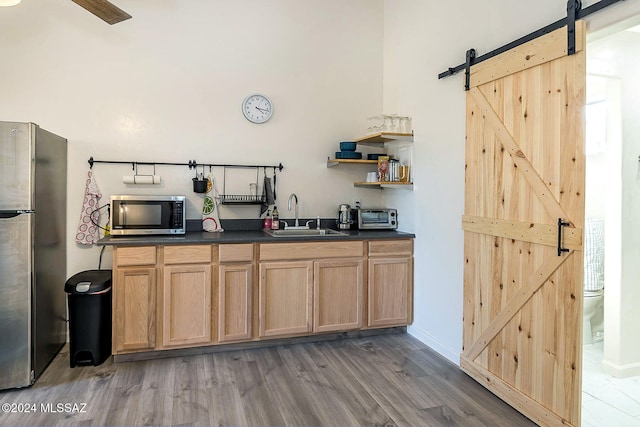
33, 201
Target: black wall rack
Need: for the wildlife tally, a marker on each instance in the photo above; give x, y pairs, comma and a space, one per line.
227, 199
192, 164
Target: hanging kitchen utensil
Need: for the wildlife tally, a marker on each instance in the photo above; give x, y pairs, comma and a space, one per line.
274, 184
200, 183
104, 10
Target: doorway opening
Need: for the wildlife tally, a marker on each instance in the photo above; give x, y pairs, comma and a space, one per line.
611, 343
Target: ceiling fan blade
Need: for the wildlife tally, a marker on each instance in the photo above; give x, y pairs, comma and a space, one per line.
104, 10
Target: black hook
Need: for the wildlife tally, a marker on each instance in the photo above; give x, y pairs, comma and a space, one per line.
90, 162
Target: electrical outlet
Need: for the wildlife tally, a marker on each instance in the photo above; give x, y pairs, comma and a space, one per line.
356, 203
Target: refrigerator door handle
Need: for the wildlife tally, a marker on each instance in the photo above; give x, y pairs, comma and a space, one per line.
13, 214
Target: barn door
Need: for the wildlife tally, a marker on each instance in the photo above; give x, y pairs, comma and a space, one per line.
524, 175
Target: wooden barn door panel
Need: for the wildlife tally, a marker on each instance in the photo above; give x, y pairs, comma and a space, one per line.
524, 171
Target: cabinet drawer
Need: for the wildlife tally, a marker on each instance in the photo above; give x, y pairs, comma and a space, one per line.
236, 252
390, 247
311, 250
187, 254
140, 255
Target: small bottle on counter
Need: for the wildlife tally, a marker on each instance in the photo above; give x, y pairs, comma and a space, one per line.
275, 219
267, 221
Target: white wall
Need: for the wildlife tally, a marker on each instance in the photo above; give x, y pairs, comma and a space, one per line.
167, 86
628, 360
422, 39
614, 57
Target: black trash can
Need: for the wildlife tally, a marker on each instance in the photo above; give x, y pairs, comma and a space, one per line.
89, 299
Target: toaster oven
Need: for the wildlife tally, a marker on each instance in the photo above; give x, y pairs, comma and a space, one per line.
377, 219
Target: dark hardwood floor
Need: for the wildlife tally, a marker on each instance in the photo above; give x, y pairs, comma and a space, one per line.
383, 380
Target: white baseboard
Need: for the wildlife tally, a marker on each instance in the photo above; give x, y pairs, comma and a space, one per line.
434, 344
619, 371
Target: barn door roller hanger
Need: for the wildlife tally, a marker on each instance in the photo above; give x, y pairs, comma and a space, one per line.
574, 12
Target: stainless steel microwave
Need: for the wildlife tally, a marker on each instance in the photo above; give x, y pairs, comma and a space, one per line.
142, 215
377, 219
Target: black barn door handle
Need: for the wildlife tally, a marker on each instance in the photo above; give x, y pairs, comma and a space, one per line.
561, 224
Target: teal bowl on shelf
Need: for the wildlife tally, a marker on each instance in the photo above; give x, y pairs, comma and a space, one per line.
347, 146
348, 155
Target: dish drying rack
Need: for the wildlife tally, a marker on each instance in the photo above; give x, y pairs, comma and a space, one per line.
225, 199
242, 199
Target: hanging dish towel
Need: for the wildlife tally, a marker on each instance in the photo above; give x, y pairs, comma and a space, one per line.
267, 191
210, 215
87, 233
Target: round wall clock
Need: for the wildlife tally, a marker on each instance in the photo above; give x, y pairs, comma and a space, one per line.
257, 108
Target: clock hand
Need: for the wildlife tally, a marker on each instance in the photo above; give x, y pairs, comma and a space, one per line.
262, 110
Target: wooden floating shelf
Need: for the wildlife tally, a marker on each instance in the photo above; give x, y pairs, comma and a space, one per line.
336, 162
380, 138
403, 185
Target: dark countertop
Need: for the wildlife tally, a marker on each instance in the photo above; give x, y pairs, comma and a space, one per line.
251, 236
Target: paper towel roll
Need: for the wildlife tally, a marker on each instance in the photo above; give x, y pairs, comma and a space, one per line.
141, 179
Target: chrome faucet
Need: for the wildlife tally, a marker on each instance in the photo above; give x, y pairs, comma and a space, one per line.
294, 197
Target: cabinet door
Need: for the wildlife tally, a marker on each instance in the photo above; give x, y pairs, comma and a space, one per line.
285, 298
337, 295
134, 309
389, 292
186, 314
234, 315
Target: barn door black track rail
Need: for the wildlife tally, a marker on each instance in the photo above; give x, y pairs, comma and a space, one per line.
192, 164
574, 12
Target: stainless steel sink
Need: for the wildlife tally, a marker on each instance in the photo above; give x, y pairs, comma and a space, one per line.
304, 232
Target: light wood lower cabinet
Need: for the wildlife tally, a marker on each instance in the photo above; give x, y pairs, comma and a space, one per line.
390, 291
134, 310
235, 285
390, 283
186, 314
337, 295
168, 297
285, 290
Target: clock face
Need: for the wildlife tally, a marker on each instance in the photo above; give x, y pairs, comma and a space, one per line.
257, 108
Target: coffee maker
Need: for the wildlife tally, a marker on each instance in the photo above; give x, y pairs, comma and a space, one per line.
347, 217
344, 217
